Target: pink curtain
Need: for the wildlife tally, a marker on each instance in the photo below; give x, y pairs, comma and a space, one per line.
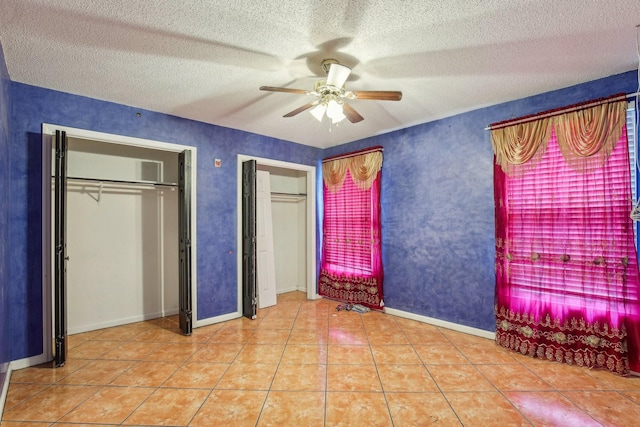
351, 267
566, 263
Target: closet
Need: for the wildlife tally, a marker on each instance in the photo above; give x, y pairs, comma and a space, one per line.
122, 234
289, 222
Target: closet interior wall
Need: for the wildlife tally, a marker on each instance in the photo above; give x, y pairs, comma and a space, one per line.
289, 216
122, 234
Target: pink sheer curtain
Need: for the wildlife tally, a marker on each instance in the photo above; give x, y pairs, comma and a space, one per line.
566, 263
351, 267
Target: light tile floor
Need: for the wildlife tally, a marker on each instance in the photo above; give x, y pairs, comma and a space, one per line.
302, 363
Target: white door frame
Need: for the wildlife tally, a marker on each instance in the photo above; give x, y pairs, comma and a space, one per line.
48, 131
311, 220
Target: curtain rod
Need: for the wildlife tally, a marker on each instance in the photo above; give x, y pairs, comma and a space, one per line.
354, 153
558, 111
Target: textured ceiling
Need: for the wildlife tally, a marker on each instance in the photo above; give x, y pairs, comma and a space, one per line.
205, 59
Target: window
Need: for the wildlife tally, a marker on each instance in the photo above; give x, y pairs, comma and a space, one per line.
564, 228
351, 267
566, 264
348, 229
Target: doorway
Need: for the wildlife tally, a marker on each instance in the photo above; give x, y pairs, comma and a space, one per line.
308, 193
143, 174
122, 234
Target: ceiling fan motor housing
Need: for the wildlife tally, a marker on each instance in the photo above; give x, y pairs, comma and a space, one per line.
326, 64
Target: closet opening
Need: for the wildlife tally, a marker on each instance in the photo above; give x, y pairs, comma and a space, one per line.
130, 209
285, 222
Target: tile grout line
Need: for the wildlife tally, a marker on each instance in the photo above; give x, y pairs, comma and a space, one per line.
444, 396
276, 370
203, 344
326, 373
375, 363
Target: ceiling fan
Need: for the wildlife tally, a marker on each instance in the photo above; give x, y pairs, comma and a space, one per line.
332, 95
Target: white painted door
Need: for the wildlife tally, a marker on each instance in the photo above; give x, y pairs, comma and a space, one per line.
264, 245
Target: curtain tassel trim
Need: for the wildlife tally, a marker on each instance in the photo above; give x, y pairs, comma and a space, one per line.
574, 342
352, 289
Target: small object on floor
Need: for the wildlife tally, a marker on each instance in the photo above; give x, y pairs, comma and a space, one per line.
346, 307
358, 308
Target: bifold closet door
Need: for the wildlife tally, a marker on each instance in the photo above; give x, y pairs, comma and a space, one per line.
60, 249
184, 220
249, 300
265, 262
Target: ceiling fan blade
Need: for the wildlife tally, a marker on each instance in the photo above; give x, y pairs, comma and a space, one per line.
284, 89
382, 95
301, 109
351, 113
338, 74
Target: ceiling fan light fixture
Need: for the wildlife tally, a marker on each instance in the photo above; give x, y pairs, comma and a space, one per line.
334, 110
338, 118
318, 111
338, 75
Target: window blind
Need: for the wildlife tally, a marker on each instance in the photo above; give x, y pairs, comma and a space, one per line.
567, 229
632, 137
348, 228
633, 142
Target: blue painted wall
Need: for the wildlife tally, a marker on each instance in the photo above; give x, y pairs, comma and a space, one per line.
438, 211
5, 107
216, 194
437, 201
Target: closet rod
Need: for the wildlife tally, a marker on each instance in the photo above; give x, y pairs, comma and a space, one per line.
277, 193
120, 181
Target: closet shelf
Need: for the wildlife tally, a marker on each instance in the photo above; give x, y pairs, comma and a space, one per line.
121, 181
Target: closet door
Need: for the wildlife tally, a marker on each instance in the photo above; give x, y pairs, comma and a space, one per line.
249, 301
265, 262
184, 220
60, 249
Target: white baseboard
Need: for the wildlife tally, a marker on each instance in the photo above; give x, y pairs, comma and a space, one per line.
5, 389
29, 361
287, 290
121, 321
217, 319
168, 313
441, 323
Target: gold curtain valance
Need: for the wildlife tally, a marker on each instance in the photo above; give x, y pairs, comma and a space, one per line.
591, 133
586, 137
363, 169
520, 144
